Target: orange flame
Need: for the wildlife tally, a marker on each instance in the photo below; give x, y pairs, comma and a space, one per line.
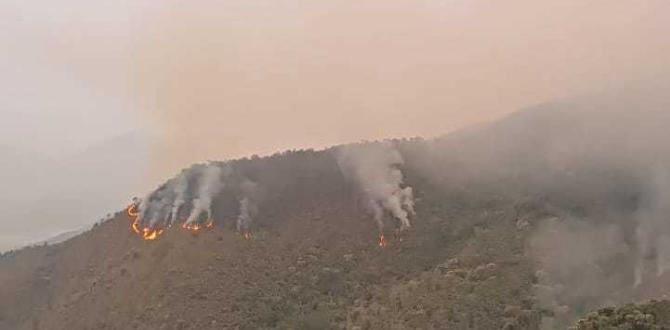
194, 227
150, 234
191, 226
146, 233
153, 235
246, 236
132, 211
136, 226
382, 241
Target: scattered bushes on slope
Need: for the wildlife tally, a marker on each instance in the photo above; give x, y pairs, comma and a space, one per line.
652, 316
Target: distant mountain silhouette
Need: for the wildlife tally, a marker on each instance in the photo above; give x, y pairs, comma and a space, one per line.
72, 191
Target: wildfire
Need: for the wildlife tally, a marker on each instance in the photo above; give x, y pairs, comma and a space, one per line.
246, 236
151, 235
194, 227
191, 226
132, 211
382, 241
146, 233
136, 226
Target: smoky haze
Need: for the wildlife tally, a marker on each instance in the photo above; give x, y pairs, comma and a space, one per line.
220, 80
588, 179
217, 80
592, 172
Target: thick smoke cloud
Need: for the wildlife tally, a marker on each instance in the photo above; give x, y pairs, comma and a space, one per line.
597, 166
374, 168
615, 248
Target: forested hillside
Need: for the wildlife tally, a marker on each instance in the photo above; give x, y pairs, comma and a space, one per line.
529, 222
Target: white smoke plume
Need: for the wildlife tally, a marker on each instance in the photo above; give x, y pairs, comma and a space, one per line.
180, 188
248, 206
653, 227
598, 166
210, 183
609, 258
154, 208
196, 186
375, 169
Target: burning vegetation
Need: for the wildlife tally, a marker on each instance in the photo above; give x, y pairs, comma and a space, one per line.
165, 207
146, 232
373, 171
382, 241
518, 230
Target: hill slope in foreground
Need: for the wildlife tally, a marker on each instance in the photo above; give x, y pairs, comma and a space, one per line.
526, 223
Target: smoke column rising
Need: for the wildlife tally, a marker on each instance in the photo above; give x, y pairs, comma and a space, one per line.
653, 226
248, 206
180, 188
209, 184
195, 187
374, 168
597, 166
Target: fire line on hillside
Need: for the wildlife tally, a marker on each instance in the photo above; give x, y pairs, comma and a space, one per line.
151, 234
375, 170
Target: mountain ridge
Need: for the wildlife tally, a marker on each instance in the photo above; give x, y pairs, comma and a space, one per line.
507, 217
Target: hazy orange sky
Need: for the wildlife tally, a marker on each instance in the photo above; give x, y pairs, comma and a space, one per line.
222, 79
219, 79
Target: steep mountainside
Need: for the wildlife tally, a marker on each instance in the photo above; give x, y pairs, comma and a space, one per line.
313, 268
526, 223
